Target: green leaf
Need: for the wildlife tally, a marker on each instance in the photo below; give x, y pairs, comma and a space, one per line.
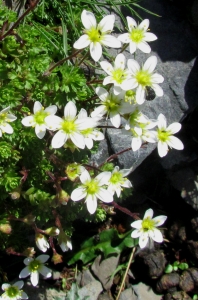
110, 242
168, 269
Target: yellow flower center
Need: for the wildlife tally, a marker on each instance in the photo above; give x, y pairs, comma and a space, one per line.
119, 75
87, 131
143, 78
163, 135
117, 178
148, 224
34, 265
69, 126
130, 96
137, 35
40, 116
94, 34
12, 292
92, 187
3, 118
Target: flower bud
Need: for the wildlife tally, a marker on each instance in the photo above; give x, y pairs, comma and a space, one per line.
6, 228
29, 219
29, 252
41, 242
52, 231
64, 241
74, 170
63, 197
57, 258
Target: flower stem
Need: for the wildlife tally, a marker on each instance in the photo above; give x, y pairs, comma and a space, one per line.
126, 272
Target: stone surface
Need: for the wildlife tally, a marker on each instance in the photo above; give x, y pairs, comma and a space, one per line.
144, 292
92, 289
128, 294
176, 50
104, 269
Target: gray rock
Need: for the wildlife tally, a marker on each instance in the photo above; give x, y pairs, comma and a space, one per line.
104, 269
176, 50
144, 292
128, 294
84, 278
92, 290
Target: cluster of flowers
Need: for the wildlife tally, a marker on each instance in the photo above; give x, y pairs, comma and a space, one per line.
129, 84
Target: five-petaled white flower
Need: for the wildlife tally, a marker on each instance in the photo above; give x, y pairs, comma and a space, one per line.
69, 127
117, 181
34, 266
97, 35
5, 119
143, 77
93, 189
41, 242
137, 36
112, 105
164, 136
13, 292
90, 134
118, 75
146, 229
38, 119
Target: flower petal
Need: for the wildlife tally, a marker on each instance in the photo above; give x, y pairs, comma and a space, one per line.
115, 119
24, 273
156, 235
111, 41
175, 143
107, 23
28, 260
82, 42
159, 220
137, 224
5, 286
28, 121
174, 127
103, 178
148, 213
59, 139
37, 107
88, 19
162, 148
78, 140
34, 278
133, 66
46, 272
150, 37
161, 122
84, 177
158, 90
120, 61
131, 23
104, 195
144, 24
144, 47
150, 64
136, 233
78, 194
24, 295
136, 143
140, 95
70, 110
106, 66
52, 109
40, 131
53, 122
124, 38
91, 203
132, 47
43, 258
96, 51
157, 78
19, 284
143, 240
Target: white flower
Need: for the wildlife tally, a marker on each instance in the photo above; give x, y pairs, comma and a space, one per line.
138, 119
69, 127
117, 181
38, 119
34, 266
164, 136
64, 241
13, 292
92, 189
146, 228
141, 135
5, 119
97, 35
137, 37
143, 77
41, 242
118, 75
90, 134
112, 105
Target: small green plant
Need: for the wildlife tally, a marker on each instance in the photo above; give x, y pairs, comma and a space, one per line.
175, 267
